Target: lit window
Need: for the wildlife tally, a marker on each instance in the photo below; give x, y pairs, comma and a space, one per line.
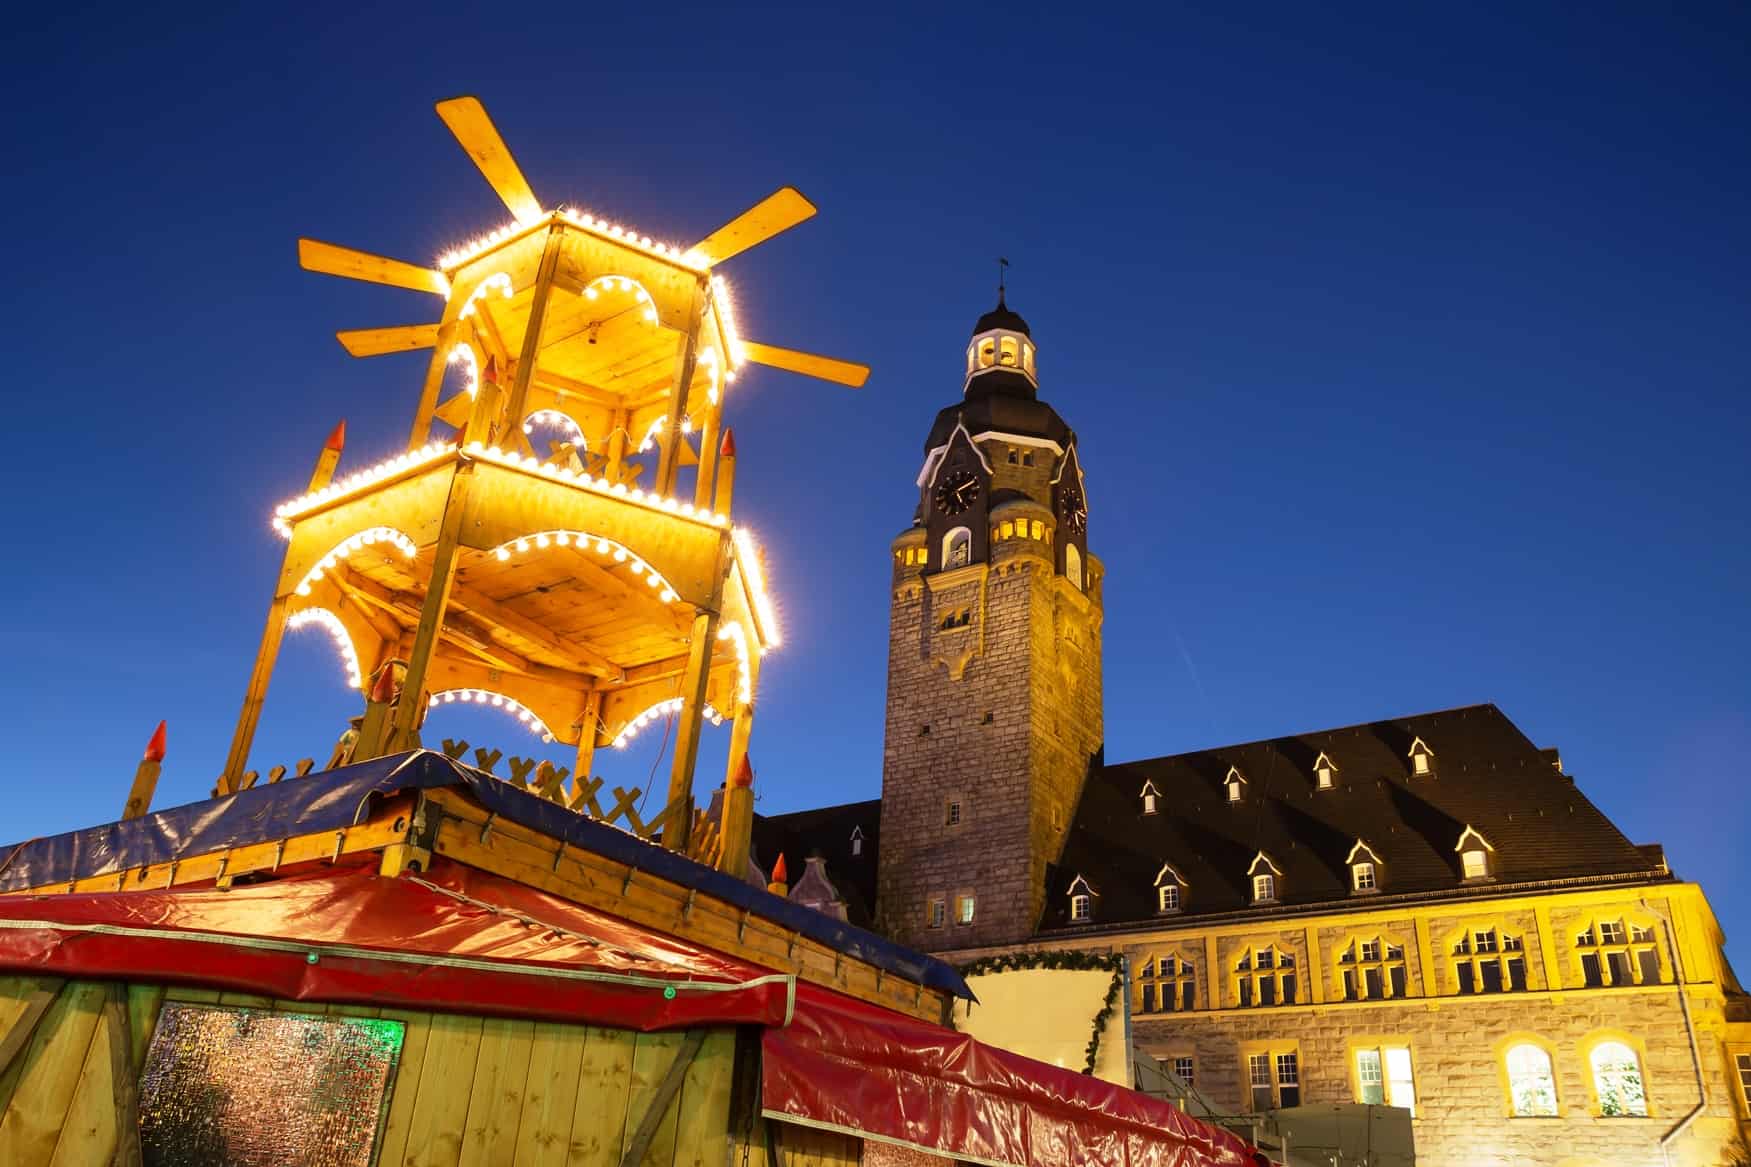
1325, 772
953, 816
1265, 976
1274, 1079
1611, 954
857, 840
964, 908
1362, 876
1081, 908
1476, 864
1007, 529
1420, 764
1489, 960
1372, 969
1617, 1080
1422, 758
987, 353
1027, 458
1168, 985
1744, 1063
1186, 1070
1009, 353
1383, 1077
1264, 888
957, 547
1073, 565
1027, 356
1167, 897
938, 912
1037, 529
1149, 802
1234, 790
1531, 1082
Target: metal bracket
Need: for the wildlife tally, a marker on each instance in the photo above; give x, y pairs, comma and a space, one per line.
626, 883
486, 827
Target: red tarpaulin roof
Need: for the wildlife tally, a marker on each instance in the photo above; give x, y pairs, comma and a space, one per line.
455, 939
452, 939
848, 1066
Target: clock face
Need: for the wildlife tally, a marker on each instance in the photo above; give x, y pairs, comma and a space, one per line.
957, 491
1075, 510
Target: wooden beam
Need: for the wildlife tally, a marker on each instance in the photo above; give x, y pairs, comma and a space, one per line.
254, 695
375, 342
124, 1087
348, 263
433, 611
587, 659
481, 141
16, 1038
660, 1102
513, 432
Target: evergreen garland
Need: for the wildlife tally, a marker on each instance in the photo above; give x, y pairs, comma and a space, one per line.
1070, 961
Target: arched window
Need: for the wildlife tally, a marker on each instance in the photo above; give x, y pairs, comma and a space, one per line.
1008, 355
957, 548
1027, 356
1617, 1080
1531, 1081
1073, 565
987, 353
1265, 976
1362, 876
1489, 960
1168, 984
1372, 969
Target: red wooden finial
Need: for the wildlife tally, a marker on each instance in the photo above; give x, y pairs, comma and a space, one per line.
744, 774
728, 446
383, 692
337, 438
155, 747
779, 874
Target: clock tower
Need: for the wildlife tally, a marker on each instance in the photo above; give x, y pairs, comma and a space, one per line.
994, 684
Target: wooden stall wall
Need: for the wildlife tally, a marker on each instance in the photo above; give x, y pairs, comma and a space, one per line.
469, 1091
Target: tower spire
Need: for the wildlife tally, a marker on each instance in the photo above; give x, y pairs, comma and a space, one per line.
1002, 279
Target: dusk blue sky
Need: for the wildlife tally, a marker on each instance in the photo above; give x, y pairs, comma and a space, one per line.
1407, 345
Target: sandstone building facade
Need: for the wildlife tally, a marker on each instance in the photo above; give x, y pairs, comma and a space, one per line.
1423, 912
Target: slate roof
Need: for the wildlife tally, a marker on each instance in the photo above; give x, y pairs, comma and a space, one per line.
1488, 775
826, 831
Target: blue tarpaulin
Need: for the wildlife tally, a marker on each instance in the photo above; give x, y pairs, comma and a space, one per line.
338, 798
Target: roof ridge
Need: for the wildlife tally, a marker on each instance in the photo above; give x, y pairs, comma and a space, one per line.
1281, 737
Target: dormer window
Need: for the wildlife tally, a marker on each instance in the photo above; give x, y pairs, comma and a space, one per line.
1235, 783
1264, 874
1422, 759
1325, 772
1476, 856
1364, 868
1081, 901
856, 841
1149, 797
1169, 889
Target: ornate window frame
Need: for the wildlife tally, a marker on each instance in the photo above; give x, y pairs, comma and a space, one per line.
1640, 937
1461, 946
1382, 942
1152, 980
1503, 1049
1264, 962
1590, 1046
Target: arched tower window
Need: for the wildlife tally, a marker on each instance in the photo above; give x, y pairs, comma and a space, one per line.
1073, 565
957, 548
987, 352
1008, 352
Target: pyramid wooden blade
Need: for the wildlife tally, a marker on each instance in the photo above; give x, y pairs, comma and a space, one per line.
455, 411
374, 342
329, 259
808, 364
480, 139
779, 211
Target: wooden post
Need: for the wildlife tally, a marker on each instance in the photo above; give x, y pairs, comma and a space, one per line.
271, 635
531, 349
688, 726
374, 729
146, 776
425, 640
618, 421
726, 474
708, 451
669, 460
124, 1089
738, 811
428, 402
587, 740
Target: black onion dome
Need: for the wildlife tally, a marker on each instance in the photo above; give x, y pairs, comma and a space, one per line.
1001, 317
